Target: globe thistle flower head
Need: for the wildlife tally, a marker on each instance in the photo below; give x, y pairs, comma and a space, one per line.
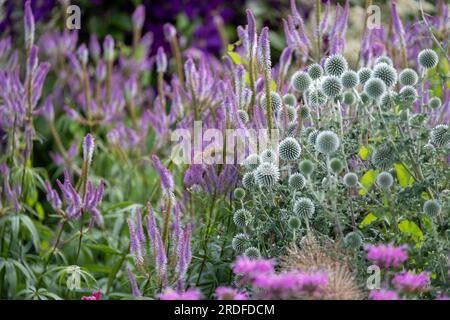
428, 58
432, 208
327, 142
353, 240
435, 103
297, 181
335, 65
290, 99
275, 101
252, 162
301, 81
312, 137
408, 77
365, 97
305, 112
243, 116
316, 97
267, 175
387, 101
350, 179
440, 135
315, 71
384, 59
385, 72
289, 112
304, 208
385, 180
408, 94
364, 74
331, 86
289, 149
294, 223
240, 242
382, 157
349, 98
306, 167
336, 165
349, 79
241, 218
248, 180
269, 155
374, 88
252, 253
239, 193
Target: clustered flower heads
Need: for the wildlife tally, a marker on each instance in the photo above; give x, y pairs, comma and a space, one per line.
387, 256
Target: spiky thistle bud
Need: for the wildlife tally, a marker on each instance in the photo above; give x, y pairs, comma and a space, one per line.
290, 99
428, 58
327, 142
336, 165
375, 88
382, 157
386, 73
305, 112
331, 86
387, 101
304, 208
301, 81
384, 59
248, 180
435, 103
252, 253
269, 156
297, 181
364, 74
240, 242
312, 137
315, 71
349, 98
408, 94
335, 65
349, 79
294, 223
275, 101
385, 180
408, 77
252, 162
350, 179
353, 240
289, 149
440, 135
243, 116
432, 208
316, 97
239, 193
267, 175
306, 167
264, 49
241, 218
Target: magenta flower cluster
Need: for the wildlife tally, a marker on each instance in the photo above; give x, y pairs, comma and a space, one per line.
387, 256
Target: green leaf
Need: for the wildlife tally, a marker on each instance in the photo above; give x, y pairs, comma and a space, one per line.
368, 220
411, 229
367, 180
235, 57
364, 152
103, 248
403, 176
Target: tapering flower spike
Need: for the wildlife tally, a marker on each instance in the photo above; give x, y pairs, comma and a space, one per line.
29, 26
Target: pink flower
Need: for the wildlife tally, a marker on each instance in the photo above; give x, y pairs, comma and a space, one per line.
387, 256
95, 296
383, 294
244, 265
227, 293
190, 294
442, 297
411, 282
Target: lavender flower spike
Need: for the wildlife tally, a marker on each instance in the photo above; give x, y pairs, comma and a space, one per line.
108, 48
251, 30
264, 49
169, 31
139, 17
88, 148
29, 25
164, 174
133, 283
161, 60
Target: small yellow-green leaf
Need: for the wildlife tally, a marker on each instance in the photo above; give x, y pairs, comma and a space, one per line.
403, 176
410, 228
274, 85
40, 210
235, 57
364, 152
425, 195
367, 180
230, 47
368, 220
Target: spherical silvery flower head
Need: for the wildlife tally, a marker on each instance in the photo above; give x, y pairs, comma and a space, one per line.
365, 97
315, 71
289, 149
327, 142
305, 112
331, 86
382, 157
440, 135
248, 180
316, 97
364, 74
267, 174
290, 99
435, 103
241, 218
306, 167
349, 79
275, 101
428, 58
386, 73
385, 180
384, 59
408, 94
294, 223
349, 98
301, 81
269, 155
243, 116
353, 240
350, 179
387, 101
374, 88
240, 242
239, 193
252, 253
252, 162
297, 181
432, 208
336, 165
335, 65
304, 208
408, 77
288, 112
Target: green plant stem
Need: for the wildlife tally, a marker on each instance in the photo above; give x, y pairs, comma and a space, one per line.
267, 81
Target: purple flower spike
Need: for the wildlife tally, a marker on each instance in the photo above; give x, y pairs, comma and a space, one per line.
88, 148
135, 244
161, 60
169, 31
164, 174
83, 54
108, 48
139, 17
264, 49
133, 283
29, 25
251, 30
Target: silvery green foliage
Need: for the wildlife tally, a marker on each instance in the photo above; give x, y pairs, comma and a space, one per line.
408, 77
327, 142
335, 65
289, 149
428, 58
301, 81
